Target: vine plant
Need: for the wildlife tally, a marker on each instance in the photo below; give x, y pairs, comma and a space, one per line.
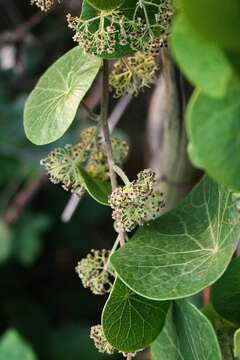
171, 255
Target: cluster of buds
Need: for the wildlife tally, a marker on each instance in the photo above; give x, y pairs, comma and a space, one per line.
108, 29
95, 273
101, 343
137, 202
132, 74
63, 164
110, 32
44, 5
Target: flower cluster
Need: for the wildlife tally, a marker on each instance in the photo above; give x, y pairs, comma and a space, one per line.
145, 30
44, 5
110, 32
137, 202
63, 164
101, 343
94, 272
131, 74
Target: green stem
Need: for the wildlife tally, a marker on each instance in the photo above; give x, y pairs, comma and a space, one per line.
106, 134
105, 126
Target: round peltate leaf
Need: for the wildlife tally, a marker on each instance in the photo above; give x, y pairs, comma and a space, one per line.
52, 105
226, 293
185, 250
217, 21
200, 60
105, 4
213, 127
131, 322
187, 335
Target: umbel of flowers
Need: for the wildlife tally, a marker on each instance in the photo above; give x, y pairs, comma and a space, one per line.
95, 273
101, 342
131, 74
141, 28
63, 164
137, 202
44, 5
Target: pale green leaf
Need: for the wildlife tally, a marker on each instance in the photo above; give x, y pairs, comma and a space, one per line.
130, 322
13, 347
203, 63
187, 335
51, 107
185, 250
236, 340
98, 189
225, 293
213, 127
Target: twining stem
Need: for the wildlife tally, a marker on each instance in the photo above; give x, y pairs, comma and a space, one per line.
106, 136
104, 122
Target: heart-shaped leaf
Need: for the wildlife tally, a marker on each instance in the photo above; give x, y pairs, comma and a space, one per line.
187, 335
226, 293
131, 322
199, 60
52, 105
213, 127
185, 250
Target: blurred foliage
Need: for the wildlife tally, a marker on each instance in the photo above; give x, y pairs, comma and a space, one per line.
43, 305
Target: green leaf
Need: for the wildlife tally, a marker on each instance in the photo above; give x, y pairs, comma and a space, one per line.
213, 127
99, 190
105, 4
226, 293
127, 9
217, 21
187, 335
5, 242
13, 347
89, 12
185, 250
52, 105
165, 346
130, 322
201, 62
236, 340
